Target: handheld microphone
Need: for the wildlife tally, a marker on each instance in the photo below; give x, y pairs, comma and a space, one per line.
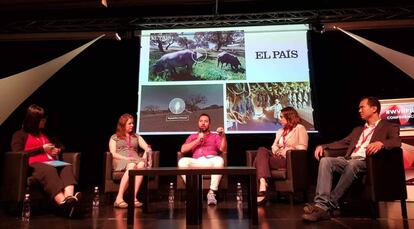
201, 135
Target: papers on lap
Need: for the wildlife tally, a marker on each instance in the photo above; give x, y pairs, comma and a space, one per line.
56, 163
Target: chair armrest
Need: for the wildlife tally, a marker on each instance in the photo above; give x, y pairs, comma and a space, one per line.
296, 167
386, 175
250, 156
155, 159
224, 156
108, 166
181, 154
15, 173
334, 152
74, 159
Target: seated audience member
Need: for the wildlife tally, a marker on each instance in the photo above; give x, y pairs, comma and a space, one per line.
124, 145
292, 136
205, 147
362, 142
58, 182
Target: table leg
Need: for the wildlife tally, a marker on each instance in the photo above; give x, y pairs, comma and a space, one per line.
145, 193
130, 199
200, 197
192, 200
252, 204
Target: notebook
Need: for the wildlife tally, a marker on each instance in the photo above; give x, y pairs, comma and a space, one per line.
56, 163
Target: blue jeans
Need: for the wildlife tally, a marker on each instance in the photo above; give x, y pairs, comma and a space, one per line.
326, 197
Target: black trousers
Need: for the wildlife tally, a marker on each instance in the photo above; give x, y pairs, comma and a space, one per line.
53, 179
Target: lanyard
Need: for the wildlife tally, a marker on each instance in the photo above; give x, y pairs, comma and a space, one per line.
129, 146
284, 134
364, 138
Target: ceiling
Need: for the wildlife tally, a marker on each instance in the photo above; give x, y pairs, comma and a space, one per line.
51, 19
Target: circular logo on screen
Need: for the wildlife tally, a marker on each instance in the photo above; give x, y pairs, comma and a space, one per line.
176, 106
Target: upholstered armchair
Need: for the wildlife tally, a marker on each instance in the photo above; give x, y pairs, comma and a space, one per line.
17, 179
384, 180
290, 180
206, 178
112, 178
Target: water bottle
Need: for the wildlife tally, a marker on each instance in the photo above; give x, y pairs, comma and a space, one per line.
26, 208
239, 193
240, 209
171, 194
95, 200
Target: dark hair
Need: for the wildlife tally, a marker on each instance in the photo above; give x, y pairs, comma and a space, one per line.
34, 114
291, 116
204, 114
120, 128
373, 102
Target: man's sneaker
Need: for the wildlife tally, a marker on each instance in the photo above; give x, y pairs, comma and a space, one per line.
211, 199
316, 215
336, 212
309, 208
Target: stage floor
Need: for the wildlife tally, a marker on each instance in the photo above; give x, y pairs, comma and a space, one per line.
274, 214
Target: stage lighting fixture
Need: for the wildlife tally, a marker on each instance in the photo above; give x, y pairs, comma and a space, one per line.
318, 27
118, 36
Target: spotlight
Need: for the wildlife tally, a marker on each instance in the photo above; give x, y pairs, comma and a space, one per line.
118, 37
318, 27
122, 34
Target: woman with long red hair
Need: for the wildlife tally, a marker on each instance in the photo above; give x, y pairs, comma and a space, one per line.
124, 146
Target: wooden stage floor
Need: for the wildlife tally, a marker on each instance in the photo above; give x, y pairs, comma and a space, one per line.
225, 215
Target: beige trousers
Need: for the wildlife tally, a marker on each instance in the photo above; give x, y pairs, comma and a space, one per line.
214, 162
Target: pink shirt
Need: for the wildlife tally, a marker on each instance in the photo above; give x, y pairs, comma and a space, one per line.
209, 147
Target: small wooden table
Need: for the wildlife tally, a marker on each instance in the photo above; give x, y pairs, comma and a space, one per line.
194, 199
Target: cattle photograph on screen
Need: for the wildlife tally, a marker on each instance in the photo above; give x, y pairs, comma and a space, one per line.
203, 55
176, 108
257, 106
